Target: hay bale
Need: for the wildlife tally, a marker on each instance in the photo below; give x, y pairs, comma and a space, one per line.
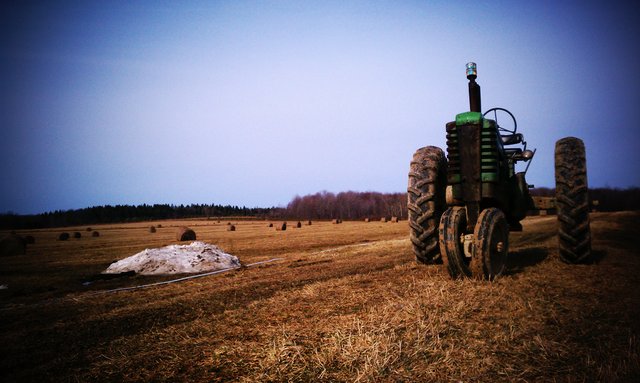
367, 220
63, 236
228, 223
88, 229
185, 234
309, 222
231, 228
383, 219
159, 226
152, 229
281, 227
13, 245
334, 221
95, 234
77, 235
299, 224
394, 219
270, 225
29, 239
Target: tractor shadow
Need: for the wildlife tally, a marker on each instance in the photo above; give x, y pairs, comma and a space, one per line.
597, 256
519, 260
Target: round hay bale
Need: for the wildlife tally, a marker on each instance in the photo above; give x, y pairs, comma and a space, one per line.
88, 229
159, 226
281, 227
63, 236
231, 228
185, 234
152, 229
383, 219
367, 220
13, 245
299, 224
29, 239
270, 225
95, 234
76, 234
394, 219
334, 221
228, 223
309, 223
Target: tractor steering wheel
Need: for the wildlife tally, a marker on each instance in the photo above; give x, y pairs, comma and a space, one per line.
495, 117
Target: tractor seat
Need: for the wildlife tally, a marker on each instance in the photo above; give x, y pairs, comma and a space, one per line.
511, 139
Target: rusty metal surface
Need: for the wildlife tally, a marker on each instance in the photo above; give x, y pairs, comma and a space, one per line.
475, 103
469, 148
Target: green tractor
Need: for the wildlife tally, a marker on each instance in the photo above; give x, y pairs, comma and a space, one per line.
462, 206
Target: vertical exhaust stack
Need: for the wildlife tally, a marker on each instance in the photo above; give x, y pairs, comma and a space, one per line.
474, 88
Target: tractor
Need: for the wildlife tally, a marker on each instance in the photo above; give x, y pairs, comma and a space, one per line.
462, 206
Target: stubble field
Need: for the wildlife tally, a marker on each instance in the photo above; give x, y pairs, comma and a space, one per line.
340, 303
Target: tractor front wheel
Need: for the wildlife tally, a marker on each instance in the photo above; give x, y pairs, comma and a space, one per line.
452, 229
491, 244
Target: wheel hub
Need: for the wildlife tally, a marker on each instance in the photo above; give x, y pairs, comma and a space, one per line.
467, 244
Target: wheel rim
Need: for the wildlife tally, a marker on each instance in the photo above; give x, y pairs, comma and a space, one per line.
499, 243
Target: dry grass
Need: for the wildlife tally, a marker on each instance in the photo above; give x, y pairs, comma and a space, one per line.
346, 303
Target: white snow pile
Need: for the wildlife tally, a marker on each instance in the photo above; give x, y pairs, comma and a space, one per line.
196, 257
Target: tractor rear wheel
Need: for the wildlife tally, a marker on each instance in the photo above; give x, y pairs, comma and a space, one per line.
572, 201
452, 227
426, 201
491, 244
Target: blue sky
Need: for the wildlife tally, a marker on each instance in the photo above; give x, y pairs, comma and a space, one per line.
251, 103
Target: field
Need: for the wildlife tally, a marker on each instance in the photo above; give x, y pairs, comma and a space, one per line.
340, 303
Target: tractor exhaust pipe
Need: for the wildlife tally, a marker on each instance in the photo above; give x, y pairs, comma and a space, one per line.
474, 88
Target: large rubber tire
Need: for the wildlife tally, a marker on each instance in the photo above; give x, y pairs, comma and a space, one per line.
426, 201
491, 244
452, 226
572, 201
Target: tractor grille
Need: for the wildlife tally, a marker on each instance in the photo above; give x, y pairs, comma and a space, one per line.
488, 153
453, 154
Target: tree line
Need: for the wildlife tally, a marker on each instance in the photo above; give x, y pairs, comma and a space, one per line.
354, 205
125, 213
348, 205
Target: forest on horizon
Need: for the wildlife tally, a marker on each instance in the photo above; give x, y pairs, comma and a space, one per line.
348, 205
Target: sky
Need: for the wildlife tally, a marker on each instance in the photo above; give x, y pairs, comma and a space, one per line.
251, 103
